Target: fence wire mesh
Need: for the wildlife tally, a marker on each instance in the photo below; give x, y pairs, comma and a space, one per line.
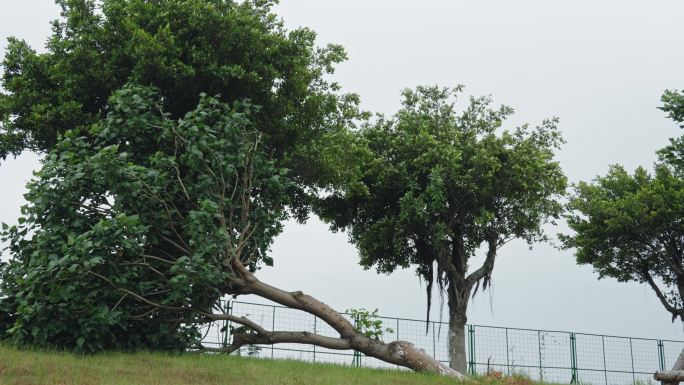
543, 355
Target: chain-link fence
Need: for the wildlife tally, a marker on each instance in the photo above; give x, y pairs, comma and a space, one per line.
545, 355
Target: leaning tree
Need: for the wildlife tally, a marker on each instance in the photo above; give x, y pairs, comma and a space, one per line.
443, 184
631, 226
233, 50
113, 236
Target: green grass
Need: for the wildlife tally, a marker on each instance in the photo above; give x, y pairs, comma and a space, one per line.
24, 367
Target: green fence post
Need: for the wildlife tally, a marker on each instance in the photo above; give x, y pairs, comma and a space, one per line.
273, 327
661, 355
541, 370
508, 362
434, 343
631, 355
605, 369
471, 344
573, 358
226, 324
356, 361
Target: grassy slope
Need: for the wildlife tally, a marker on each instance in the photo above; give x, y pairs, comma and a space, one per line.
42, 368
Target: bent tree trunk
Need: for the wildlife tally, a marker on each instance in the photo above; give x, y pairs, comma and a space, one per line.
400, 353
457, 341
676, 375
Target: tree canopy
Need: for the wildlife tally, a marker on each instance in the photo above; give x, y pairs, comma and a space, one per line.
630, 226
236, 50
673, 105
106, 222
443, 183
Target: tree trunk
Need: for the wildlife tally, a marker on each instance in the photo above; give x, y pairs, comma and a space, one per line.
457, 341
674, 376
671, 377
400, 353
679, 364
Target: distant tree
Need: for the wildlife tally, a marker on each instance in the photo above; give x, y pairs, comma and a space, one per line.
234, 49
631, 226
114, 236
443, 184
673, 104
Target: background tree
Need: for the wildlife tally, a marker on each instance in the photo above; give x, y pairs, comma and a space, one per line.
673, 104
235, 49
444, 184
114, 236
631, 226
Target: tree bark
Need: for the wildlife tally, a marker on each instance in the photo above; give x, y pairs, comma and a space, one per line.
457, 341
671, 377
674, 376
459, 291
679, 364
400, 353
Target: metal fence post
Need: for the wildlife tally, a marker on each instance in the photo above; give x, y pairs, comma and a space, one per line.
356, 361
541, 370
314, 347
434, 343
471, 344
573, 358
631, 355
605, 369
508, 362
273, 327
226, 324
230, 324
661, 355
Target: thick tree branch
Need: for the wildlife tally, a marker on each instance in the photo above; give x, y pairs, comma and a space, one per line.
488, 265
673, 376
279, 337
240, 320
296, 300
673, 310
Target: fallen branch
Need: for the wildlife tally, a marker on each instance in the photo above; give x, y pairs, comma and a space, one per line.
673, 376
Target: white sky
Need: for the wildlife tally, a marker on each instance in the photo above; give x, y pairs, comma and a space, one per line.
599, 66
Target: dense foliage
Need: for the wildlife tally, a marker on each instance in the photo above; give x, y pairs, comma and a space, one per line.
631, 226
234, 49
91, 211
443, 183
145, 208
673, 104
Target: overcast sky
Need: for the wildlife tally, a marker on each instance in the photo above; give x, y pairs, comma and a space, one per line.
599, 66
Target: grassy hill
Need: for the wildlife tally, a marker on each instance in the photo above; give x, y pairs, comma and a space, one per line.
21, 367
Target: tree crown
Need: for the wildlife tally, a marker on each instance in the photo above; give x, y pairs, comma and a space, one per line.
238, 50
109, 227
442, 182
